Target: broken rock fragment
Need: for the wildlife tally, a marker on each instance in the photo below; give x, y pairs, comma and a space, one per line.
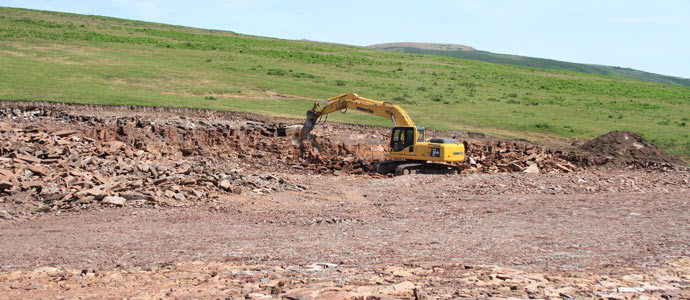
225, 184
98, 194
533, 168
115, 200
5, 185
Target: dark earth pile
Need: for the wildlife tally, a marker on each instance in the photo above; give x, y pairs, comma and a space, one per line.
627, 147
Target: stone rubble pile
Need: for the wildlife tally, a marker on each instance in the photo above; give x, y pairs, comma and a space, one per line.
333, 281
57, 157
503, 157
49, 169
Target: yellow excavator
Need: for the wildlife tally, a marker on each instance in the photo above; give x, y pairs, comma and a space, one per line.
407, 142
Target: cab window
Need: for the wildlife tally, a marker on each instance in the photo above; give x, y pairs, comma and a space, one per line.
402, 138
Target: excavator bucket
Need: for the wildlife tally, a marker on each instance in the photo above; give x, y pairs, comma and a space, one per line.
308, 124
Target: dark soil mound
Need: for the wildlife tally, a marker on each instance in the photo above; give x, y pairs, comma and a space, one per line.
626, 147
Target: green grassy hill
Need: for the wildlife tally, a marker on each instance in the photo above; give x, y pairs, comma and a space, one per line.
533, 62
90, 59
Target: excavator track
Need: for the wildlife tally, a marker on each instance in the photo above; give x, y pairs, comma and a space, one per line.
406, 167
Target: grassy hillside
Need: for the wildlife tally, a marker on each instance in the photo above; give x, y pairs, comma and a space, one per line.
543, 63
89, 59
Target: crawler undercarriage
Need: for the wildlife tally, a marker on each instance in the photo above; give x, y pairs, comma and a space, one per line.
405, 167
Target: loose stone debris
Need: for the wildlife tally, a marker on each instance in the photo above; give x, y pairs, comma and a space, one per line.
69, 157
426, 281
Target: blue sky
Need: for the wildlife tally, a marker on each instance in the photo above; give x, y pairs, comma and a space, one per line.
652, 36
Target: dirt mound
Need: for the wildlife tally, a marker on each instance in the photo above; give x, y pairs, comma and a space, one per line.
627, 147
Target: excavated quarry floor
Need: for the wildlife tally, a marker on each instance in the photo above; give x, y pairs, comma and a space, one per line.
100, 202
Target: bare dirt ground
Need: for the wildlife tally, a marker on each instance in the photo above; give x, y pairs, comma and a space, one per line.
154, 203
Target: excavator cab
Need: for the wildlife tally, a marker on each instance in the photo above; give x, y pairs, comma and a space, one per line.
403, 137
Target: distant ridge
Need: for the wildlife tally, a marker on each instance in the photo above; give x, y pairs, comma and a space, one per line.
466, 52
425, 46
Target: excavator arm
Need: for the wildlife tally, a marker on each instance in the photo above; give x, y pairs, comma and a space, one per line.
355, 102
